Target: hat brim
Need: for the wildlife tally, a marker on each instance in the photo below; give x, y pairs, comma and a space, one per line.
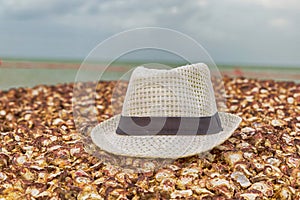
162, 146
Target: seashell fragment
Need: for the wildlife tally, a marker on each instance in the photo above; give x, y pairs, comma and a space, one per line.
181, 194
233, 157
263, 187
241, 179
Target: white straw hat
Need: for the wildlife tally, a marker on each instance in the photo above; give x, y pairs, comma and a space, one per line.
166, 114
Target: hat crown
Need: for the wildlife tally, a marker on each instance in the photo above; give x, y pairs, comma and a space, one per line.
185, 91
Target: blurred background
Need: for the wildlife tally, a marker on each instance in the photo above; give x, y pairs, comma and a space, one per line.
45, 41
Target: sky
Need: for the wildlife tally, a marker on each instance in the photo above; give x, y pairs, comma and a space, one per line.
261, 32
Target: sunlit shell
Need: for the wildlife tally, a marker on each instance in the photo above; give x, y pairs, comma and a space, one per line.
241, 179
233, 157
184, 181
222, 186
263, 187
181, 194
21, 159
27, 174
284, 193
272, 171
277, 122
273, 161
190, 171
293, 162
248, 130
251, 195
164, 173
33, 191
244, 167
200, 190
89, 193
3, 176
168, 184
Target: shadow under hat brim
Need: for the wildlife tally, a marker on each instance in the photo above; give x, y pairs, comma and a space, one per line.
163, 146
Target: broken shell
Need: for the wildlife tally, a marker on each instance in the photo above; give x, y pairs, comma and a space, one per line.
4, 160
251, 195
82, 180
88, 192
263, 187
244, 167
184, 181
27, 174
99, 181
233, 157
21, 159
168, 184
57, 121
173, 167
293, 162
221, 186
193, 171
181, 194
288, 139
273, 161
34, 192
284, 193
54, 175
2, 112
248, 130
55, 147
248, 155
272, 171
164, 173
111, 182
3, 176
123, 178
110, 170
277, 122
200, 190
241, 179
290, 100
143, 183
74, 151
80, 173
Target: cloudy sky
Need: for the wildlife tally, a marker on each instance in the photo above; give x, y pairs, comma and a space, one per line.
232, 31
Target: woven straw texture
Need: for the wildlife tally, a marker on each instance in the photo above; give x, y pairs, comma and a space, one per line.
184, 91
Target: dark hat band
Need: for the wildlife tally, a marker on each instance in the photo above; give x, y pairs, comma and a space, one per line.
142, 126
